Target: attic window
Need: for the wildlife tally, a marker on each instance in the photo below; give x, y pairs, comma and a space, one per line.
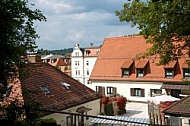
67, 86
7, 91
87, 52
45, 89
125, 72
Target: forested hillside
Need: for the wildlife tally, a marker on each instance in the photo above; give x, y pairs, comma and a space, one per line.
56, 52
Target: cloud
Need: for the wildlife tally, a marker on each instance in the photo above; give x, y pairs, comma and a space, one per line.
79, 21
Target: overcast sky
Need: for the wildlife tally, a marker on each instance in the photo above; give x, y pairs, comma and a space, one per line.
82, 22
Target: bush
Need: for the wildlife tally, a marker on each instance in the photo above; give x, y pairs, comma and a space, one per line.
108, 110
47, 122
21, 123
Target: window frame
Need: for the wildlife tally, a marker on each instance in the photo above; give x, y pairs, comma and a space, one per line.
186, 71
140, 73
134, 90
155, 94
87, 63
124, 74
77, 72
109, 90
87, 72
169, 71
76, 53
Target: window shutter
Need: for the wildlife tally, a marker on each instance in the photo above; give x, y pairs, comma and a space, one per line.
114, 91
103, 91
142, 92
132, 91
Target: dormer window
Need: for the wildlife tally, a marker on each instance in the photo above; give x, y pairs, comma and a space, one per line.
126, 67
186, 73
169, 73
140, 68
125, 72
7, 91
45, 89
140, 72
66, 86
169, 69
186, 70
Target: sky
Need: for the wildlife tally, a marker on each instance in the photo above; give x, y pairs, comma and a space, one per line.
82, 22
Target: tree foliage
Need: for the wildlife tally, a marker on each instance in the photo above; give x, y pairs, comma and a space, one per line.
164, 23
17, 35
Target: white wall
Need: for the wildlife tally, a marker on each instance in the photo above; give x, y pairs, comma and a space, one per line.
82, 67
123, 88
92, 61
61, 118
78, 58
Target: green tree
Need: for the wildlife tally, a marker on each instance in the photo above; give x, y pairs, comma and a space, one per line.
17, 36
163, 23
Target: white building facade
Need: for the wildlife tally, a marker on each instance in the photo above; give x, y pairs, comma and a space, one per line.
82, 63
118, 72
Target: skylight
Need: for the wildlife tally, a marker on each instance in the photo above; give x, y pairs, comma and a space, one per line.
45, 89
67, 86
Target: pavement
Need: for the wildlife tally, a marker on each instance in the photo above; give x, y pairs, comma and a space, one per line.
137, 110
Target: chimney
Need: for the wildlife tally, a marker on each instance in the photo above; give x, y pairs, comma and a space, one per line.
34, 57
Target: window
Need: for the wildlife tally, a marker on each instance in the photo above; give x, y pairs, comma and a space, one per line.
125, 73
140, 72
67, 86
111, 91
7, 91
137, 92
89, 82
186, 73
169, 73
155, 92
76, 53
87, 63
77, 72
44, 89
100, 90
76, 63
87, 72
65, 61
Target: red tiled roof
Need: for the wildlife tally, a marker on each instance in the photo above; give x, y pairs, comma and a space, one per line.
127, 64
180, 108
185, 64
141, 63
59, 62
59, 97
92, 51
170, 64
116, 51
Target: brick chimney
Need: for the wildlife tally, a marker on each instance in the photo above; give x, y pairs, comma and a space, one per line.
34, 57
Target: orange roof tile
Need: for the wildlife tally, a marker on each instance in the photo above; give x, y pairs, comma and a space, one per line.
118, 50
92, 51
141, 63
127, 64
185, 64
170, 64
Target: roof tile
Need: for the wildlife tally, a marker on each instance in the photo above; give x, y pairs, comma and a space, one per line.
180, 107
118, 50
59, 97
